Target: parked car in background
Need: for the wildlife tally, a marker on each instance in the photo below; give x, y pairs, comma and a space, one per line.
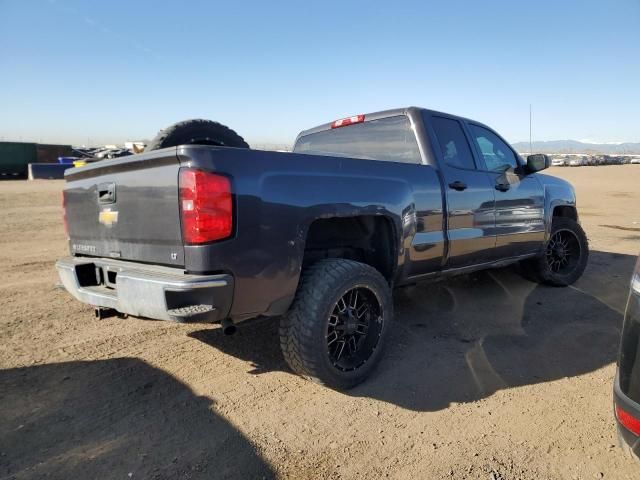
626, 390
576, 162
557, 162
635, 161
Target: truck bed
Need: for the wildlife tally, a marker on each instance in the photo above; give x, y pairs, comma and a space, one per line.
276, 198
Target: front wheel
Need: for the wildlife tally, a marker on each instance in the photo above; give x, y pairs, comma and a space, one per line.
336, 327
565, 257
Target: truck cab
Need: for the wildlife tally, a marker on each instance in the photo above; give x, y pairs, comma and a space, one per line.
494, 204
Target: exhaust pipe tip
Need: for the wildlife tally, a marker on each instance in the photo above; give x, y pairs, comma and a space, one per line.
228, 327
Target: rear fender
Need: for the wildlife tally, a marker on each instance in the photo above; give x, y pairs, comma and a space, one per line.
342, 196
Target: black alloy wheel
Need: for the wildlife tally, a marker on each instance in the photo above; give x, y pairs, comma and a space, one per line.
354, 329
563, 251
564, 257
336, 328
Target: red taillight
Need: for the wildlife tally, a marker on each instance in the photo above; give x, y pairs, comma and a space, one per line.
64, 214
343, 122
627, 421
206, 206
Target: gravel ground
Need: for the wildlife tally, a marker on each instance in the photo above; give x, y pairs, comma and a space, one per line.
486, 376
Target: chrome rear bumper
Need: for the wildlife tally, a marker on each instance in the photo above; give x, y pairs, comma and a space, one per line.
161, 293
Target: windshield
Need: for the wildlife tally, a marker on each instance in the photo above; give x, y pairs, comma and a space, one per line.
391, 139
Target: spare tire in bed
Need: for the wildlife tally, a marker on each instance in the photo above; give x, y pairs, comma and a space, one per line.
196, 132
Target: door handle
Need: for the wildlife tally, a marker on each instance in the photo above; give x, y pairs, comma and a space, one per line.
502, 187
458, 185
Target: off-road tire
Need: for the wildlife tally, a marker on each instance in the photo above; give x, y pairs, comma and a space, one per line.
538, 268
196, 132
303, 329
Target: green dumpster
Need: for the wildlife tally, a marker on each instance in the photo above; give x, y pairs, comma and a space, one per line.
14, 158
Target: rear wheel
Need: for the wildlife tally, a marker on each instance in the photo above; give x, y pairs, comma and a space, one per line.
565, 256
335, 330
196, 132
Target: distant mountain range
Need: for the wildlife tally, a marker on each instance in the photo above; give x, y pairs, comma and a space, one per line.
574, 146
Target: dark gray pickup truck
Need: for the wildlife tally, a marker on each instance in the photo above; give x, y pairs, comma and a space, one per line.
203, 229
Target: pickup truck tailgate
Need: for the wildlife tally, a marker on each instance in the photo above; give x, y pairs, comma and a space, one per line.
126, 208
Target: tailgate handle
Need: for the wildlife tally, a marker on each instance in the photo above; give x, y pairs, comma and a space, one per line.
107, 192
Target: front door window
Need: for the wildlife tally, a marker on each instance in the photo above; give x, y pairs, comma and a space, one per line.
497, 155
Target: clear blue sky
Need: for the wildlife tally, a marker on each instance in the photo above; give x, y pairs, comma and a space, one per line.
108, 71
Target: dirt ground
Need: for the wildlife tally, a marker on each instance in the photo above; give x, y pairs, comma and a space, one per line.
487, 376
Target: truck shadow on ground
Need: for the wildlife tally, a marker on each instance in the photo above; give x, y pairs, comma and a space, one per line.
463, 339
116, 418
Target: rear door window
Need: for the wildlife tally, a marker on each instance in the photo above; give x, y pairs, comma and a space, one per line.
453, 143
390, 138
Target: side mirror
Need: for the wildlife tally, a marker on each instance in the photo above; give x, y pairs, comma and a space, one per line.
537, 162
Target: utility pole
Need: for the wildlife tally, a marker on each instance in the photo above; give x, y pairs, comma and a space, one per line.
530, 143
